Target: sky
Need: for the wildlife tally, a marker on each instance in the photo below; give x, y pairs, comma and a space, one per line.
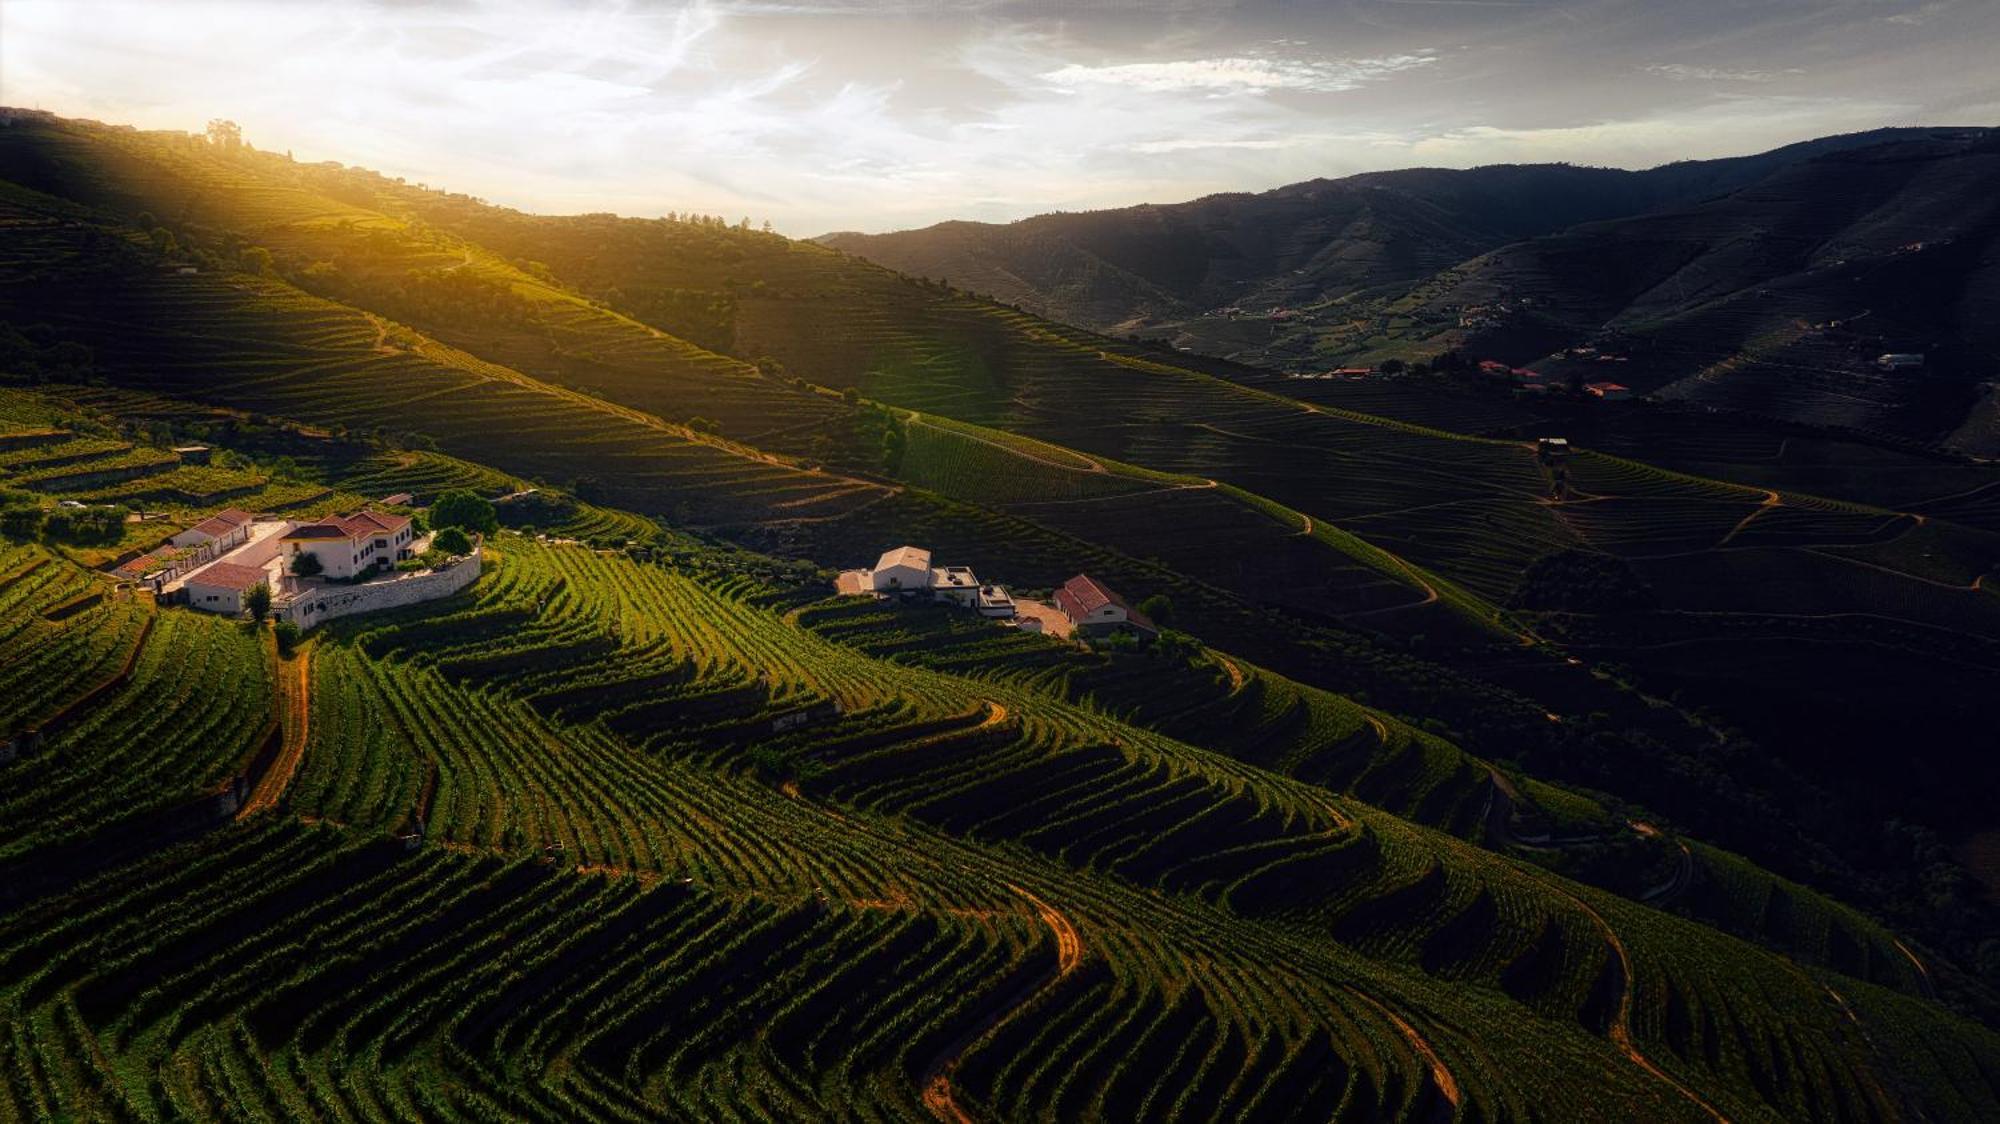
822, 115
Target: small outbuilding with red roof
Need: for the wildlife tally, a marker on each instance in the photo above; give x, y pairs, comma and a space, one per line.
1096, 610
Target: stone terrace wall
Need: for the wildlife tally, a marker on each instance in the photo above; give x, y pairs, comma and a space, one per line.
330, 601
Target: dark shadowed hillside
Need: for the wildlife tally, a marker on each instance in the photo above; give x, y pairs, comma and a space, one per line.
1250, 276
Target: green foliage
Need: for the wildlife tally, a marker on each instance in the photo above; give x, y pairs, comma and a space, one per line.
287, 636
258, 602
464, 510
306, 564
22, 523
1583, 581
87, 526
451, 541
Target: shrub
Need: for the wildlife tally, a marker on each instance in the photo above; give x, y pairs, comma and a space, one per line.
287, 635
306, 565
451, 540
258, 601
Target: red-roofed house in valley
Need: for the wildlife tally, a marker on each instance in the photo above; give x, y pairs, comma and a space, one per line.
347, 545
218, 532
1095, 610
1609, 391
220, 588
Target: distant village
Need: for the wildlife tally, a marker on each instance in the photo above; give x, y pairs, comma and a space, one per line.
1083, 607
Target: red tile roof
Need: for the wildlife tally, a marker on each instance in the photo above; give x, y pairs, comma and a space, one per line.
1083, 595
221, 523
1604, 386
360, 525
228, 575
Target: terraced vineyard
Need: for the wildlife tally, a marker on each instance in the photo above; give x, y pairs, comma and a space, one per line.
644, 825
992, 899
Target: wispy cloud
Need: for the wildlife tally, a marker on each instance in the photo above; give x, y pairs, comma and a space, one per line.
1681, 72
1241, 74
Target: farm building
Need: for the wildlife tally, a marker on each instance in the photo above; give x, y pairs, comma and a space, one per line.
220, 531
347, 545
222, 587
906, 567
1609, 391
1899, 361
193, 454
1552, 449
1095, 610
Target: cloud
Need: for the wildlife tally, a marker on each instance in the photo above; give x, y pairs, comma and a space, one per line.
1919, 15
1681, 72
1238, 74
876, 114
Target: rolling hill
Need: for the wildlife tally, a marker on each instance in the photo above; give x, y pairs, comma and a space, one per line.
1208, 274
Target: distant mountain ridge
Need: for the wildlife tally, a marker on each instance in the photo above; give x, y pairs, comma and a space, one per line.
1378, 265
1105, 268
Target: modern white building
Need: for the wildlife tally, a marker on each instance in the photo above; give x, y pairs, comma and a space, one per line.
347, 545
907, 570
955, 584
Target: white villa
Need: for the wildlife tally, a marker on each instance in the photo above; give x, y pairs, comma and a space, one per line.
357, 555
347, 545
908, 570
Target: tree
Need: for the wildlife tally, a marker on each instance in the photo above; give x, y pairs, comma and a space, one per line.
306, 564
22, 522
224, 133
1160, 608
466, 510
258, 601
287, 635
451, 540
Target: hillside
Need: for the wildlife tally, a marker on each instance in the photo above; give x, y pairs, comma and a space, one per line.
1380, 827
1259, 277
545, 860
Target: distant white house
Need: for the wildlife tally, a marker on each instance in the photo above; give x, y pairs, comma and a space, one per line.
908, 570
347, 545
222, 587
1899, 361
218, 532
904, 568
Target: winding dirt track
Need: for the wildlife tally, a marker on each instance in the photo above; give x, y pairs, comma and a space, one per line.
1440, 1073
295, 699
936, 1080
1621, 1027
